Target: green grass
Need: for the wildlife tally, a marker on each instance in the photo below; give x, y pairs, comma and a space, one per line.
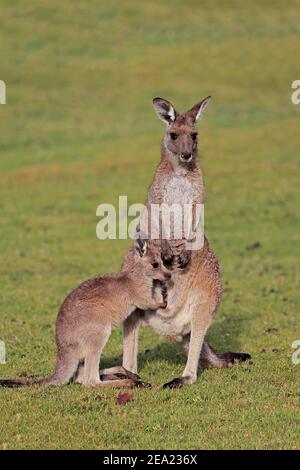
78, 129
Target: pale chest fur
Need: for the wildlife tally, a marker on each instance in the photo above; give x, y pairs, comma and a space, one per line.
173, 322
176, 188
180, 190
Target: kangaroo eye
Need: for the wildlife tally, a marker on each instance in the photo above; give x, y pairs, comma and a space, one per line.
173, 135
155, 265
194, 135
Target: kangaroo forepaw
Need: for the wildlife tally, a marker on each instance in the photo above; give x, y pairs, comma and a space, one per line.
183, 259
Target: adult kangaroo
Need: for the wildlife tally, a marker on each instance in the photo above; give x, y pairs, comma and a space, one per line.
195, 292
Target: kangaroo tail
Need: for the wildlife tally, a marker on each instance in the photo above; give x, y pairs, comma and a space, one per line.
65, 369
210, 358
16, 383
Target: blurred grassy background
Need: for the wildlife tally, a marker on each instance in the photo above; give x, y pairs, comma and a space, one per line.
78, 129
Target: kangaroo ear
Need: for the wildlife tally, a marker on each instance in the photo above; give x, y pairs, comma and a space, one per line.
140, 246
164, 110
196, 112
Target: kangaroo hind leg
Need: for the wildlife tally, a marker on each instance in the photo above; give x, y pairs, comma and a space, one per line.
92, 378
113, 372
65, 369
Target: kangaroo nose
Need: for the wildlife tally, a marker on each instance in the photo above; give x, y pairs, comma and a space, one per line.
186, 157
168, 276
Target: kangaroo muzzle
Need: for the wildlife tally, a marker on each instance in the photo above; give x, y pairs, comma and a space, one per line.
186, 157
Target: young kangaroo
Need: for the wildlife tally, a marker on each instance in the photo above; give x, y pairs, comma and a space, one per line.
89, 313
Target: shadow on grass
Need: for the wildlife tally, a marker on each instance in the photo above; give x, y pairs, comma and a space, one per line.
222, 337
